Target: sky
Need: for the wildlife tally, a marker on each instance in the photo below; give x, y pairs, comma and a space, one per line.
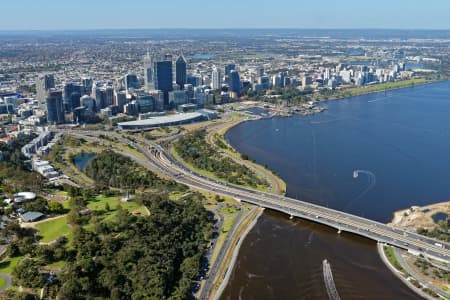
124, 14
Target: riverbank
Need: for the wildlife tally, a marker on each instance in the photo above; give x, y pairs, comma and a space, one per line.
425, 217
228, 263
216, 135
423, 275
400, 273
379, 88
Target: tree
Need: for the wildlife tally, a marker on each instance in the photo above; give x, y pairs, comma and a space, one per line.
55, 207
27, 274
107, 208
151, 257
73, 217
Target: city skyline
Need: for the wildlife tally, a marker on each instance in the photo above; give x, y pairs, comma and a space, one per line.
138, 14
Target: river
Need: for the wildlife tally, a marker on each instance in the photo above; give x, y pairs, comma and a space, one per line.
369, 155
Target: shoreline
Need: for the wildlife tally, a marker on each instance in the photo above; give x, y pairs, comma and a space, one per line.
383, 90
399, 274
235, 253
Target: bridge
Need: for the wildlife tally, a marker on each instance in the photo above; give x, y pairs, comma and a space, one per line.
160, 160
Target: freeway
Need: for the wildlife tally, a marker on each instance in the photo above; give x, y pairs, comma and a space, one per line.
160, 160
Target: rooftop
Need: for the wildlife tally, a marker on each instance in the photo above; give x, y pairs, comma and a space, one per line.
32, 216
163, 120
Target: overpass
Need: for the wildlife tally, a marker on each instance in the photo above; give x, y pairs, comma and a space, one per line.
160, 160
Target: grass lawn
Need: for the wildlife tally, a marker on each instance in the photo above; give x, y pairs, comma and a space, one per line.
56, 265
223, 233
2, 282
7, 265
390, 254
53, 229
114, 201
229, 210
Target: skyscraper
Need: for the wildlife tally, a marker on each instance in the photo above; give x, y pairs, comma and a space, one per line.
43, 84
164, 77
235, 82
109, 96
148, 73
87, 84
72, 95
131, 81
120, 100
55, 106
229, 68
216, 80
180, 69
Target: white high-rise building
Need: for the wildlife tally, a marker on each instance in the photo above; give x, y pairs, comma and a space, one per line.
216, 80
148, 73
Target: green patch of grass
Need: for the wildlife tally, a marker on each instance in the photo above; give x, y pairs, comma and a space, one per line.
385, 86
7, 265
175, 195
228, 222
56, 265
229, 210
66, 204
2, 282
53, 229
100, 202
390, 254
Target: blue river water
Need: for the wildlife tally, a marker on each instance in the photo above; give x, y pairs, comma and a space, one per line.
398, 140
368, 155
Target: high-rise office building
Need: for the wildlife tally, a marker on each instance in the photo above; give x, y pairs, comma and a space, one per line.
55, 106
264, 82
109, 96
229, 68
97, 94
177, 98
43, 84
216, 79
146, 102
87, 84
180, 71
131, 82
88, 102
159, 99
164, 77
261, 72
71, 96
120, 100
148, 73
235, 82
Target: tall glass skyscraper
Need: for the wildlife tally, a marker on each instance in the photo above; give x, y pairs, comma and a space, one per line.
164, 78
180, 66
55, 106
43, 84
235, 82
